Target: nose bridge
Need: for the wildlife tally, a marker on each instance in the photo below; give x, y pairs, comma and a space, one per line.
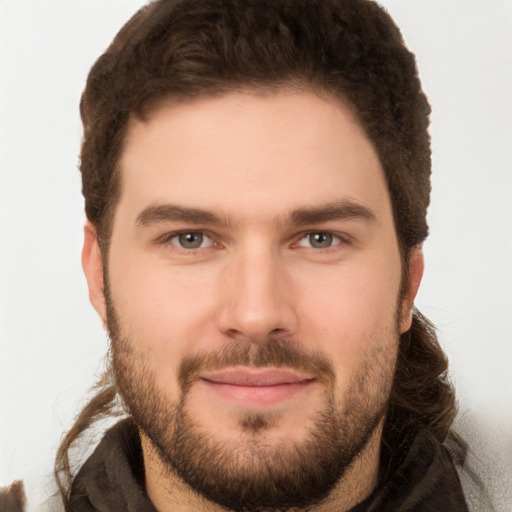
257, 300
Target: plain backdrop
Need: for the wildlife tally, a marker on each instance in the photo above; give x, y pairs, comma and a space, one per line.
52, 343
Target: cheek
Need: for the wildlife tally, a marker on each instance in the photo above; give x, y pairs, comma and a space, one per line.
352, 314
162, 298
163, 312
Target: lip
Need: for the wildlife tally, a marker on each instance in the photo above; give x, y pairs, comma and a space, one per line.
256, 387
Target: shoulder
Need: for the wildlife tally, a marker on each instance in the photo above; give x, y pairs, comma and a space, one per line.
486, 471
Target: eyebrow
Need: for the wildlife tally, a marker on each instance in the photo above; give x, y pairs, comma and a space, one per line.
169, 212
341, 210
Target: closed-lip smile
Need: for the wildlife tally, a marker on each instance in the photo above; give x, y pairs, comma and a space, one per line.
256, 387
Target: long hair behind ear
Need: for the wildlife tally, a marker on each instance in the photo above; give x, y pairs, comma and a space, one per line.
422, 396
103, 404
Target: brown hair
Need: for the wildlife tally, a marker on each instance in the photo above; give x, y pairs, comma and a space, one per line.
349, 49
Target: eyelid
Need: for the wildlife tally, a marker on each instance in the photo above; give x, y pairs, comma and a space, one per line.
343, 238
167, 237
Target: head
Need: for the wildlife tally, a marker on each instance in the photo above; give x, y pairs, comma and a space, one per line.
223, 246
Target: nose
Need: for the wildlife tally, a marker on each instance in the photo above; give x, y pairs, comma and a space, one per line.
257, 298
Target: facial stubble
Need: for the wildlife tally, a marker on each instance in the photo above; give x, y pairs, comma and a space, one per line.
255, 475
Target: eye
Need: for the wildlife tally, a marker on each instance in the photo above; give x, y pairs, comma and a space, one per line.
319, 240
190, 240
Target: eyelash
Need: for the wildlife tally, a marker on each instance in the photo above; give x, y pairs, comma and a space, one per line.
166, 239
333, 236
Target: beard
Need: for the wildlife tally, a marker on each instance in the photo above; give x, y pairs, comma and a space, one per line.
252, 474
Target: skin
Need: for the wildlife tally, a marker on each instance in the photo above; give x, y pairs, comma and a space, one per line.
252, 160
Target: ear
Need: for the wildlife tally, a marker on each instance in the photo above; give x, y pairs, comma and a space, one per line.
92, 263
415, 273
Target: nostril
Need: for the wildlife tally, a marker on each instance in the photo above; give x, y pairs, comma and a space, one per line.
233, 333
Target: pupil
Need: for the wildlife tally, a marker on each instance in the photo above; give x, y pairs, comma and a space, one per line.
321, 240
191, 240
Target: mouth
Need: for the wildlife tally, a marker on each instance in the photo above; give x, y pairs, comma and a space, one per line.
256, 387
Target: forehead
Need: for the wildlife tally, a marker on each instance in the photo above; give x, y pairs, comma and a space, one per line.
248, 155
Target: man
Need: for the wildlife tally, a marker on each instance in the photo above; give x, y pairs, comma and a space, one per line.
256, 177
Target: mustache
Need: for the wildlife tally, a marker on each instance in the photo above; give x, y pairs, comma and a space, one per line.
275, 352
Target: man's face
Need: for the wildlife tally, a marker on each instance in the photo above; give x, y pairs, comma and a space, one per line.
253, 293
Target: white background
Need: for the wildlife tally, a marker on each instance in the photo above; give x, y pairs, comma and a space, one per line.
52, 344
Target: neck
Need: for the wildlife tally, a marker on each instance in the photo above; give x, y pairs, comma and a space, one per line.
169, 493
